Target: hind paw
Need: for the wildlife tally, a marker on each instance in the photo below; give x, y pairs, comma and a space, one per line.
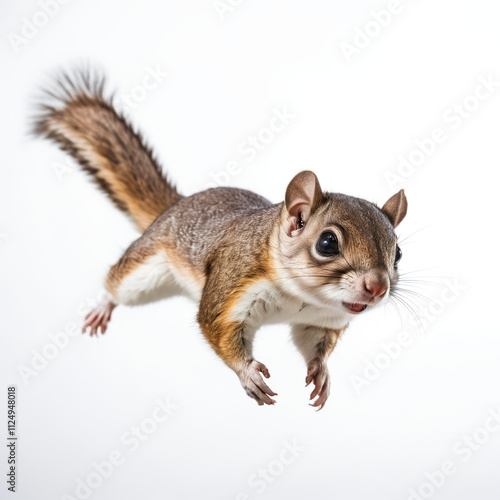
99, 318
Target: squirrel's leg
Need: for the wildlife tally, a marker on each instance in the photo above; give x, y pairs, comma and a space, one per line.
145, 273
233, 345
316, 344
99, 317
232, 341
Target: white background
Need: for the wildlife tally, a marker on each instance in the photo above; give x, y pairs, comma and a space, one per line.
353, 119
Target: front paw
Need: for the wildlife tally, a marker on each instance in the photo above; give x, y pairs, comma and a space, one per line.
254, 385
317, 372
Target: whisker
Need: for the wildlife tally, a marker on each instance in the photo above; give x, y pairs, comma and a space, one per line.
412, 292
395, 306
349, 264
412, 301
408, 307
421, 270
417, 282
413, 234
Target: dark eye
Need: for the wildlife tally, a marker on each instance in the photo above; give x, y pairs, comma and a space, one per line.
399, 254
327, 244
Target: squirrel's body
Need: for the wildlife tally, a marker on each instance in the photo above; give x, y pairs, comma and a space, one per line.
174, 254
246, 261
185, 237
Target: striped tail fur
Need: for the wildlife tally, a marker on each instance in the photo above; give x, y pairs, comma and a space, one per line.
82, 121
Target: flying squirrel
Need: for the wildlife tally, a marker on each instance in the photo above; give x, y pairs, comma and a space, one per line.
314, 260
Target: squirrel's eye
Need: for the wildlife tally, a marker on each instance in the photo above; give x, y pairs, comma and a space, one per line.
327, 244
399, 254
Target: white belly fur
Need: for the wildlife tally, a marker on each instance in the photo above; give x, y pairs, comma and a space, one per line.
263, 304
157, 278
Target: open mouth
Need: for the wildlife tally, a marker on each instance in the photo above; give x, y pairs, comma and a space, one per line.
355, 308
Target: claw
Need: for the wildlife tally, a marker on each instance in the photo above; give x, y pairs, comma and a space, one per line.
99, 318
254, 384
317, 372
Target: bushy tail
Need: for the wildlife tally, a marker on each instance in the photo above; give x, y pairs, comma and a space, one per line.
83, 122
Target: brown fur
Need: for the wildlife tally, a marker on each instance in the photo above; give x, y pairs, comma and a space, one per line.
395, 208
327, 345
224, 240
84, 123
217, 303
131, 260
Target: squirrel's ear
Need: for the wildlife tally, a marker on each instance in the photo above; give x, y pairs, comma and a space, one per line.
303, 196
395, 208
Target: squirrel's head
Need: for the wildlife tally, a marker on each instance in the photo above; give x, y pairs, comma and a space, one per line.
335, 250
